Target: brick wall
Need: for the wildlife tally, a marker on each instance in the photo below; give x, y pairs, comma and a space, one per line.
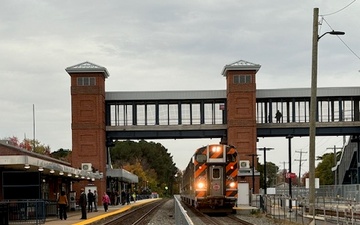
88, 126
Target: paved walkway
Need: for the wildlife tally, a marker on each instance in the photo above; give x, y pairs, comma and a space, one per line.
74, 216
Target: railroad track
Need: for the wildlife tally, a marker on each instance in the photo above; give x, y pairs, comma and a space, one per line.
218, 219
139, 215
230, 219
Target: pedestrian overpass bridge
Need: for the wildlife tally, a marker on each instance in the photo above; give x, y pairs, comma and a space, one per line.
238, 115
202, 114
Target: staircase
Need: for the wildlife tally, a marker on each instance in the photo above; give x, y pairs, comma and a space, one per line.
343, 165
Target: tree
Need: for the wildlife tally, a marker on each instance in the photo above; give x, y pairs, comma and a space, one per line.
323, 169
62, 154
30, 145
154, 165
271, 174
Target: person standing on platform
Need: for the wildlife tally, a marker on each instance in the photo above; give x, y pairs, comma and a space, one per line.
123, 197
82, 203
278, 116
134, 197
90, 198
128, 197
96, 199
63, 203
105, 201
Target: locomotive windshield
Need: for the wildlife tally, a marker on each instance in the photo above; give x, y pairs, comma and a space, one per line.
201, 158
216, 173
230, 158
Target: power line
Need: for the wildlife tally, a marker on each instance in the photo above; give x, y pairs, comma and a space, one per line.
329, 14
346, 45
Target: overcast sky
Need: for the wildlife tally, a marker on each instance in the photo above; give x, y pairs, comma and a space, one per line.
166, 45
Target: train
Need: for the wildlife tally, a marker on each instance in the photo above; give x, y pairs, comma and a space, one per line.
210, 179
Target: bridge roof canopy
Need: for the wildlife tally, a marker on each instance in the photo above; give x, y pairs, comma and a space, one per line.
87, 67
240, 65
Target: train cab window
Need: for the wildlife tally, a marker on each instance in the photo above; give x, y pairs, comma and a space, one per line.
201, 158
230, 158
216, 173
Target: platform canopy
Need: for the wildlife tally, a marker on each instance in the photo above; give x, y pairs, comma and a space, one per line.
122, 175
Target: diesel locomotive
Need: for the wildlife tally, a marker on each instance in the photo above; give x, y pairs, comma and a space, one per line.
210, 179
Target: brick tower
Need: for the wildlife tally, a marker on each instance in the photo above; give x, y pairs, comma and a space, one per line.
241, 109
88, 120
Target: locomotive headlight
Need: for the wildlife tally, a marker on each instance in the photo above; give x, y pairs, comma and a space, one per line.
216, 149
232, 184
201, 185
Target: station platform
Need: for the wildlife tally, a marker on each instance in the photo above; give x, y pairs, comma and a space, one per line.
74, 216
244, 209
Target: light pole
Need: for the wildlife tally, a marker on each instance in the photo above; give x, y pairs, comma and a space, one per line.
289, 137
253, 171
265, 149
313, 107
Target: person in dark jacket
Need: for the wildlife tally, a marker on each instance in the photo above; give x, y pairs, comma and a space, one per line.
90, 198
278, 116
82, 203
123, 197
127, 197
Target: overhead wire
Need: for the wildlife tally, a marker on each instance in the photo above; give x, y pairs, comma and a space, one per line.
329, 14
322, 19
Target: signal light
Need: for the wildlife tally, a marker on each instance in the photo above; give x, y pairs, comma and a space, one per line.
232, 184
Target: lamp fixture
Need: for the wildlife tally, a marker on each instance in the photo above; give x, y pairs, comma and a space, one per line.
76, 175
92, 179
41, 169
61, 173
69, 174
52, 171
27, 166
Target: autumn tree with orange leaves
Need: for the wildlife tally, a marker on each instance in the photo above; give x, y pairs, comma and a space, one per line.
30, 145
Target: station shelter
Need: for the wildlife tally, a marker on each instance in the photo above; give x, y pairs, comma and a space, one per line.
27, 178
27, 175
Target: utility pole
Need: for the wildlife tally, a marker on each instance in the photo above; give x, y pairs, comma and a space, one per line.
300, 163
283, 164
335, 161
284, 170
313, 108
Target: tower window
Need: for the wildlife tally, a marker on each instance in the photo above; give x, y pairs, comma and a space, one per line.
86, 81
242, 79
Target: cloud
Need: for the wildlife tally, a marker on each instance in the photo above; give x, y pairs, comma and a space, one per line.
159, 45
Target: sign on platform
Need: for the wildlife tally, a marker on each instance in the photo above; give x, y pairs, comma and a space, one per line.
290, 175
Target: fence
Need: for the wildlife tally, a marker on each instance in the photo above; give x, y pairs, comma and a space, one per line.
338, 204
26, 211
